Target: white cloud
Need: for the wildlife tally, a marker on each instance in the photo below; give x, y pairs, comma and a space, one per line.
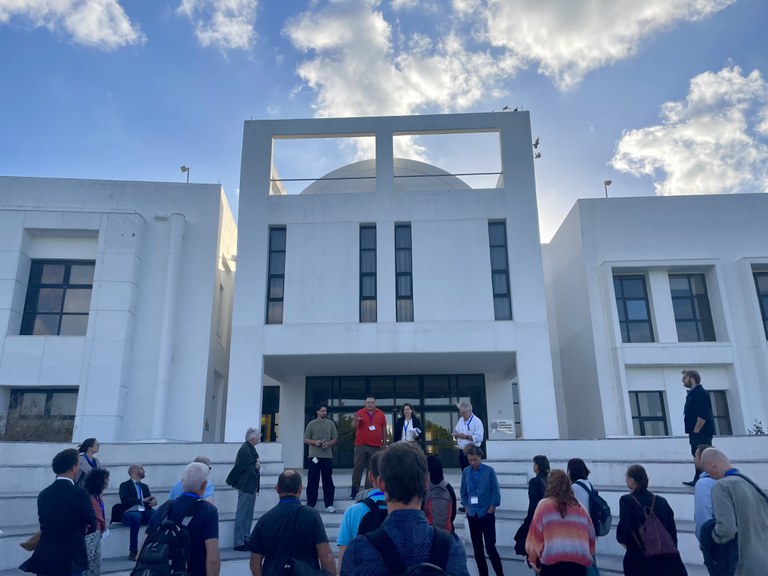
712, 142
100, 23
569, 39
225, 24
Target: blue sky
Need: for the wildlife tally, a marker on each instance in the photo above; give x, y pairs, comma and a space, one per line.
659, 96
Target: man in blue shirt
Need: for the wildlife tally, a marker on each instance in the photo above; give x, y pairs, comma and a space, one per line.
178, 488
702, 496
353, 515
404, 478
480, 495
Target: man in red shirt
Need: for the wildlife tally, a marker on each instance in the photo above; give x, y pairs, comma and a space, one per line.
370, 437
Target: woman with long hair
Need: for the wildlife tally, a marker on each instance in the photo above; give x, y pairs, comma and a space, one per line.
88, 460
407, 425
579, 473
95, 484
632, 515
561, 539
537, 486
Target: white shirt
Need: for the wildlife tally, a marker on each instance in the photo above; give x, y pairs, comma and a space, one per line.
581, 493
472, 426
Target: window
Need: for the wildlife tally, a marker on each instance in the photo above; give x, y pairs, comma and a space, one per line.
690, 302
42, 415
649, 417
58, 298
633, 309
502, 302
761, 284
276, 275
403, 273
368, 273
720, 412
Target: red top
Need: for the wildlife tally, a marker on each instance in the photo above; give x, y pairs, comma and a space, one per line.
367, 437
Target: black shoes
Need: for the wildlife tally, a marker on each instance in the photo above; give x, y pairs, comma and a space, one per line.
353, 494
242, 548
690, 483
462, 509
132, 555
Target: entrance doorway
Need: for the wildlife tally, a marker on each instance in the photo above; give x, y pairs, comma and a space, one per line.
434, 398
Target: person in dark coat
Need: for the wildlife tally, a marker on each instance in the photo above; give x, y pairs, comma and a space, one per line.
537, 486
138, 504
66, 516
632, 516
246, 478
407, 425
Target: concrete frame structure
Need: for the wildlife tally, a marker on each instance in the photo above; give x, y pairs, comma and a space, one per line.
158, 324
722, 237
453, 328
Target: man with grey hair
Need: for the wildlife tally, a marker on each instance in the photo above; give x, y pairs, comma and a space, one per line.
178, 488
245, 476
469, 430
203, 526
741, 509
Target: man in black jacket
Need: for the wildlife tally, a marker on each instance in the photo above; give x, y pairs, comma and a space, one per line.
66, 515
697, 414
138, 501
245, 477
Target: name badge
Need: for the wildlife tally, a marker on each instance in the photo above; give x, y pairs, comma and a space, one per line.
474, 500
315, 460
371, 427
141, 508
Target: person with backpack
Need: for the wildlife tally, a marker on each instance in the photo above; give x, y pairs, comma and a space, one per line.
561, 539
183, 534
440, 505
404, 543
647, 530
537, 486
578, 473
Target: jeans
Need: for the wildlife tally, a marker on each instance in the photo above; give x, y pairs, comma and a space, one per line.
134, 519
485, 529
323, 467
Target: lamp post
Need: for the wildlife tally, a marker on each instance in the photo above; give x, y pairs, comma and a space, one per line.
185, 168
606, 183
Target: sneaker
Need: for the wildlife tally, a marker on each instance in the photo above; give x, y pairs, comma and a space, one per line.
462, 509
132, 556
691, 483
330, 510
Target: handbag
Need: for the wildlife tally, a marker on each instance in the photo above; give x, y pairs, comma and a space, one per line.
294, 566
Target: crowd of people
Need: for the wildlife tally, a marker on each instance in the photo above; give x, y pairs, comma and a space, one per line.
405, 512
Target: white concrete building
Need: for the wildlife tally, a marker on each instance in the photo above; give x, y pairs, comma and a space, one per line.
115, 304
641, 288
390, 278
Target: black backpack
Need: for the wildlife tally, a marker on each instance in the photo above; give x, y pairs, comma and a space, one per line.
166, 551
599, 510
434, 565
374, 517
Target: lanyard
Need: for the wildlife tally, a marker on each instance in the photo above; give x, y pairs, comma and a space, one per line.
405, 429
101, 503
370, 416
91, 463
138, 491
468, 422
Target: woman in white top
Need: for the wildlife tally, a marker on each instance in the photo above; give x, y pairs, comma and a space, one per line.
408, 425
578, 473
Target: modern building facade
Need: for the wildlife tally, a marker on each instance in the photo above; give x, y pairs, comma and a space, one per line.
391, 278
115, 304
642, 288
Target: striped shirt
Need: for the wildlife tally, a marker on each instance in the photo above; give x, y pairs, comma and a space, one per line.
553, 539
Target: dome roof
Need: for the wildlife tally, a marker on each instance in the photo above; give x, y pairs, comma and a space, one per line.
361, 177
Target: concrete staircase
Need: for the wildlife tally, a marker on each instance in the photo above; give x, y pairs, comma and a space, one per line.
27, 471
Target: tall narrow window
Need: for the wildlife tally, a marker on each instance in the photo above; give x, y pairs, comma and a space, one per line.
276, 275
403, 273
649, 417
720, 413
690, 302
58, 298
368, 273
761, 284
502, 301
632, 306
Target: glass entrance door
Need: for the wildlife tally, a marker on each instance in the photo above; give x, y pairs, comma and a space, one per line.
434, 398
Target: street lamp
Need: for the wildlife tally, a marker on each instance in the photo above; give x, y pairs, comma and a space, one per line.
606, 183
185, 168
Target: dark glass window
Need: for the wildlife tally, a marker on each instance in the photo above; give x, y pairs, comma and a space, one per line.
58, 298
368, 273
720, 412
632, 307
502, 300
690, 302
761, 285
649, 417
403, 273
41, 415
276, 275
